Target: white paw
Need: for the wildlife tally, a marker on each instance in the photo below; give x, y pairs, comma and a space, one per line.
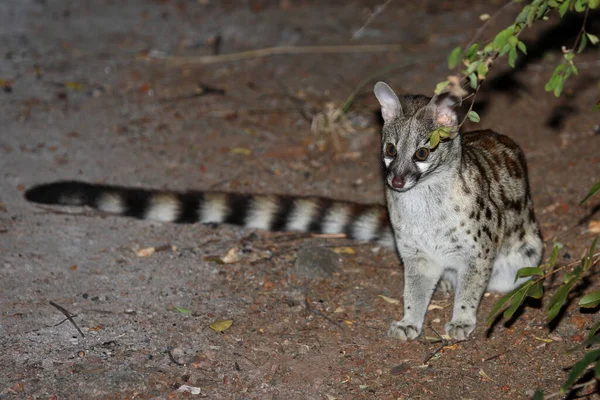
403, 330
460, 330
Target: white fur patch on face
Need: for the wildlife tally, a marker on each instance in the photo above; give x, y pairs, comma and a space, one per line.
261, 212
387, 161
111, 203
423, 166
302, 215
163, 207
336, 219
213, 209
365, 226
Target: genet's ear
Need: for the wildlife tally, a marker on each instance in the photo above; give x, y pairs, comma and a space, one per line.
390, 105
441, 109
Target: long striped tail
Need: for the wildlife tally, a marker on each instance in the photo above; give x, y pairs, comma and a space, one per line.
268, 212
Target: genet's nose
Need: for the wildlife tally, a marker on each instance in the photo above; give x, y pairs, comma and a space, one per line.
398, 182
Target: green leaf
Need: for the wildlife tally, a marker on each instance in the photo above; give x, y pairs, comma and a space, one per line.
439, 88
555, 250
512, 57
590, 300
593, 4
184, 311
482, 71
597, 371
529, 271
592, 192
473, 80
564, 7
580, 5
593, 38
537, 290
444, 132
538, 395
579, 368
594, 329
472, 52
517, 300
558, 300
593, 248
500, 305
454, 58
502, 37
522, 47
582, 44
434, 140
472, 67
473, 116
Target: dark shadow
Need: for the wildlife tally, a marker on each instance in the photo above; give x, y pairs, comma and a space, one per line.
529, 302
550, 40
578, 393
587, 218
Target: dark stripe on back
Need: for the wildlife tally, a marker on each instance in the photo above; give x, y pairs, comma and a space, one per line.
190, 206
238, 205
281, 218
323, 207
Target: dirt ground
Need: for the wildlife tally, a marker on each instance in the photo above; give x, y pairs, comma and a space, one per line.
83, 100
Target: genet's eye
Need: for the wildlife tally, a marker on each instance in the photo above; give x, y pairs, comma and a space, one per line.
390, 150
421, 154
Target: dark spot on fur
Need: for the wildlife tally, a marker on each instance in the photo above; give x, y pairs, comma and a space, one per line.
488, 213
472, 215
457, 208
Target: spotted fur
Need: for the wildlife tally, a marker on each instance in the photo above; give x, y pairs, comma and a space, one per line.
463, 215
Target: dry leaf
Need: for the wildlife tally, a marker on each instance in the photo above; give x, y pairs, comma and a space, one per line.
451, 347
232, 256
544, 340
434, 307
389, 299
339, 310
343, 250
147, 252
221, 325
190, 389
484, 375
241, 150
595, 226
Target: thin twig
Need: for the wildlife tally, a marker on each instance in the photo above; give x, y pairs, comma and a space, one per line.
172, 358
444, 344
582, 30
320, 314
482, 28
68, 315
280, 50
378, 10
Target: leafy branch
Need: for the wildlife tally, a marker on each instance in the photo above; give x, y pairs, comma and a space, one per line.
474, 61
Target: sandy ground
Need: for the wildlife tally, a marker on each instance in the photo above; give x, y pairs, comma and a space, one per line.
84, 102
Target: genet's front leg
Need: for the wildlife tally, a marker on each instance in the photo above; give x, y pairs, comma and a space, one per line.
470, 287
420, 280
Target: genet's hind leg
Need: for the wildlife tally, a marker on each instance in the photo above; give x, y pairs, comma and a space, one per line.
521, 254
447, 283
